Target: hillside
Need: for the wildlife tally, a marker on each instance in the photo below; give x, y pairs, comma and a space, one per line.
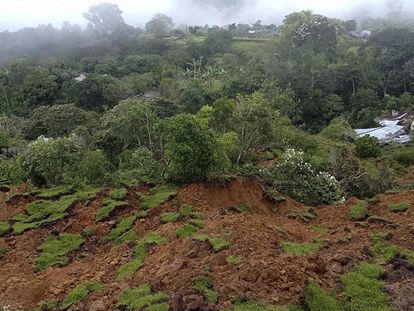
249, 227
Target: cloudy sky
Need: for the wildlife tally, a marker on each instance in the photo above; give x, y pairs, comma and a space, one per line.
19, 13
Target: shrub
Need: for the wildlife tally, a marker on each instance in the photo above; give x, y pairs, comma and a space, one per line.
46, 160
12, 171
139, 165
358, 211
399, 207
367, 147
339, 129
234, 261
405, 156
297, 178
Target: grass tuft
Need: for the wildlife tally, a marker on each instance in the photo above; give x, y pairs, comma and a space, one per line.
53, 250
242, 208
203, 285
80, 292
363, 290
318, 300
4, 228
252, 305
359, 211
399, 207
300, 249
154, 238
3, 251
118, 194
187, 230
109, 206
142, 297
234, 261
54, 192
319, 230
157, 196
218, 244
186, 210
169, 217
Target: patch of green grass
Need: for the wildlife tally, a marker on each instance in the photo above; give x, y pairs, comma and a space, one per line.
154, 238
88, 232
234, 261
80, 292
54, 192
300, 249
408, 254
399, 207
109, 206
136, 263
53, 250
241, 208
318, 300
186, 230
4, 228
307, 216
319, 230
88, 194
138, 260
196, 215
385, 250
169, 217
197, 223
203, 285
48, 306
363, 290
3, 251
358, 211
123, 226
41, 212
218, 244
157, 196
186, 210
128, 236
118, 194
252, 305
381, 236
141, 297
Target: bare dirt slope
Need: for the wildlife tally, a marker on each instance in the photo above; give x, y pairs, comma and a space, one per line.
266, 274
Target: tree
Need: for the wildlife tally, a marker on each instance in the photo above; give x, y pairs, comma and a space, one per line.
191, 149
218, 41
104, 18
160, 25
54, 121
40, 88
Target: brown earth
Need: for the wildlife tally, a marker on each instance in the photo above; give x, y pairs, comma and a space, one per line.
267, 274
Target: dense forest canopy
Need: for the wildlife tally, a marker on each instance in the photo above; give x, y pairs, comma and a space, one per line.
112, 103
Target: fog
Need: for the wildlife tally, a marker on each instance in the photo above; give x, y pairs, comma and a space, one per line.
16, 14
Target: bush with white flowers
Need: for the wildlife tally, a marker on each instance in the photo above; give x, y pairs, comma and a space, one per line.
295, 177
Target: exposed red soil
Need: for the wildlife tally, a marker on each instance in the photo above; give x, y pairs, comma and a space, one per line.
266, 274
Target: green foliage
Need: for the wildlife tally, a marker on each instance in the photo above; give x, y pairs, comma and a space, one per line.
108, 208
234, 261
43, 212
186, 210
358, 211
45, 160
300, 249
142, 297
138, 260
80, 292
367, 147
88, 232
363, 290
187, 230
169, 217
340, 130
13, 171
157, 196
3, 251
380, 236
318, 300
191, 149
298, 179
241, 208
404, 156
4, 228
54, 250
218, 244
203, 285
49, 193
122, 227
118, 194
319, 230
136, 263
399, 207
385, 250
252, 305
